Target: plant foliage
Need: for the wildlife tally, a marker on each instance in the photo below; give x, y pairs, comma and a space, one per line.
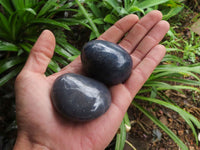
21, 22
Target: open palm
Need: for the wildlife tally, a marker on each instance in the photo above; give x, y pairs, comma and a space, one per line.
40, 127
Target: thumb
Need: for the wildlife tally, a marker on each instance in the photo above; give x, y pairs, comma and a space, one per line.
41, 53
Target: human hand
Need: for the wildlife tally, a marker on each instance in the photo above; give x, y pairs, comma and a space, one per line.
39, 125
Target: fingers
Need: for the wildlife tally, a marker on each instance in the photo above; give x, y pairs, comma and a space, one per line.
41, 53
138, 77
149, 41
140, 29
113, 34
143, 70
123, 94
119, 29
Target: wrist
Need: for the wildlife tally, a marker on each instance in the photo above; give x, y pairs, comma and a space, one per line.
23, 142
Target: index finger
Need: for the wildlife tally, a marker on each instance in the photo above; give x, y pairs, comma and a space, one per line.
119, 29
41, 53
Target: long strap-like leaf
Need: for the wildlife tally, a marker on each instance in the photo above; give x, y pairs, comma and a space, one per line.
162, 126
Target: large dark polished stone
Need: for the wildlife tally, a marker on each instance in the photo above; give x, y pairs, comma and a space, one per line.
80, 98
106, 62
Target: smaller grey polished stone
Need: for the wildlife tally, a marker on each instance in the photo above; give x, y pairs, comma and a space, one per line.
106, 62
80, 98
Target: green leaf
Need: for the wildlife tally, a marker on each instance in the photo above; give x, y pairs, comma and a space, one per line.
165, 98
166, 70
7, 6
61, 51
26, 47
68, 47
173, 58
67, 5
32, 11
5, 36
51, 22
149, 3
192, 57
162, 126
177, 88
171, 33
181, 111
98, 21
114, 4
55, 11
173, 49
54, 66
31, 38
18, 4
192, 127
172, 12
122, 12
73, 21
133, 9
72, 58
92, 36
185, 115
153, 92
10, 75
5, 46
110, 19
15, 23
127, 122
4, 24
178, 80
121, 137
127, 4
47, 7
30, 3
8, 63
96, 11
19, 21
85, 13
164, 86
60, 60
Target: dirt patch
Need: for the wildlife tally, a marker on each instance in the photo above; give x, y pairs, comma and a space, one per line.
152, 137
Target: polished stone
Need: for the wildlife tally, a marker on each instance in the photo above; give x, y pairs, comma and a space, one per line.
80, 98
106, 62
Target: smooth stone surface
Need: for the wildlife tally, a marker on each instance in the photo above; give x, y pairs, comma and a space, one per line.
80, 98
106, 62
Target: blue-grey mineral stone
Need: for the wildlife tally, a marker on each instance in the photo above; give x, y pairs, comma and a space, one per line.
80, 98
106, 62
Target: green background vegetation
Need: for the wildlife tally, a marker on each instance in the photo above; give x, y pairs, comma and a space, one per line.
76, 22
